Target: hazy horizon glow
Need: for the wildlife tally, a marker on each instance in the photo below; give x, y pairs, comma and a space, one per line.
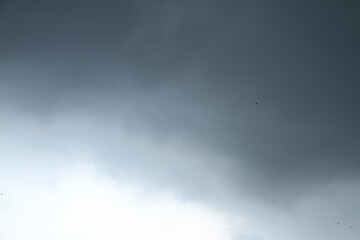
84, 205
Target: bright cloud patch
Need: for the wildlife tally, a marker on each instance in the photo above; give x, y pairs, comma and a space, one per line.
83, 205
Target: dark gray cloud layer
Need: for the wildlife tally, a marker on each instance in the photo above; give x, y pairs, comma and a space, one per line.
195, 69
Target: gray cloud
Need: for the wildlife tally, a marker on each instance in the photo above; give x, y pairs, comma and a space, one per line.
188, 74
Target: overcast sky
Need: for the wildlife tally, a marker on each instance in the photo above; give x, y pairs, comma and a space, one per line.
239, 117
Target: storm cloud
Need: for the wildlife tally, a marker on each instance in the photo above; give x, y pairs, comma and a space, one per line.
229, 103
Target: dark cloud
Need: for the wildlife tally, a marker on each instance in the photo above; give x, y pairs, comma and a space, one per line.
194, 70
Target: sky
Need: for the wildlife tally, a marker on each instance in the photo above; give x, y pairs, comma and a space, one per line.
201, 119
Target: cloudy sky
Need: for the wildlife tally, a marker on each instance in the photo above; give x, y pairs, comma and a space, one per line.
192, 119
